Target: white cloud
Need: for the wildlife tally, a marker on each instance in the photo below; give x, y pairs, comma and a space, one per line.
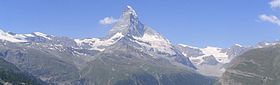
108, 21
275, 4
270, 18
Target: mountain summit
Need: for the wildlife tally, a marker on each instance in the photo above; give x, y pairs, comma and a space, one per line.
128, 24
130, 11
144, 38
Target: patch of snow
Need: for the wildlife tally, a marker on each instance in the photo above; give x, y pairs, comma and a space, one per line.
266, 44
42, 35
98, 44
157, 42
216, 52
196, 60
238, 45
269, 44
220, 56
29, 35
188, 46
11, 38
20, 36
184, 54
96, 48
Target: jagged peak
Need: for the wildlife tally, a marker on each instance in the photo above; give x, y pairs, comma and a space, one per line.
128, 24
129, 11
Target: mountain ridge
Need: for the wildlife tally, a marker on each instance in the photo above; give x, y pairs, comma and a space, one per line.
130, 54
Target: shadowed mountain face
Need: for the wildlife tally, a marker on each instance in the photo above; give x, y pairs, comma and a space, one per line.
131, 54
47, 65
256, 67
10, 74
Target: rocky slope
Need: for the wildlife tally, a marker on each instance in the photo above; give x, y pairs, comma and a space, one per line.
256, 67
10, 74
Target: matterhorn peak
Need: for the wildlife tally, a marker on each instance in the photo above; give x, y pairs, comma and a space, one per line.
129, 11
128, 24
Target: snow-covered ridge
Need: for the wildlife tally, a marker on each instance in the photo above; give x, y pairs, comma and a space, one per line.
17, 38
98, 44
238, 45
42, 35
188, 46
267, 44
11, 38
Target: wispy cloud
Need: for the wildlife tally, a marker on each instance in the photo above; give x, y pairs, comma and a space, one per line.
108, 21
270, 18
275, 4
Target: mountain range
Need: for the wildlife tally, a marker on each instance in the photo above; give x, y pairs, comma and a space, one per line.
131, 54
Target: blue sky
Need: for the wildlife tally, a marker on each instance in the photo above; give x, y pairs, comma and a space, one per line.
194, 22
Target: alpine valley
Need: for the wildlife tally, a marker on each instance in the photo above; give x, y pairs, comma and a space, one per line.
131, 54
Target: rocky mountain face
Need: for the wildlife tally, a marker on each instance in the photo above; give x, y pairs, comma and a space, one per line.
131, 54
11, 75
256, 67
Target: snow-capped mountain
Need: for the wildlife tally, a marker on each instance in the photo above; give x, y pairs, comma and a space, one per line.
131, 31
130, 50
130, 27
130, 54
267, 44
18, 38
12, 37
211, 60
